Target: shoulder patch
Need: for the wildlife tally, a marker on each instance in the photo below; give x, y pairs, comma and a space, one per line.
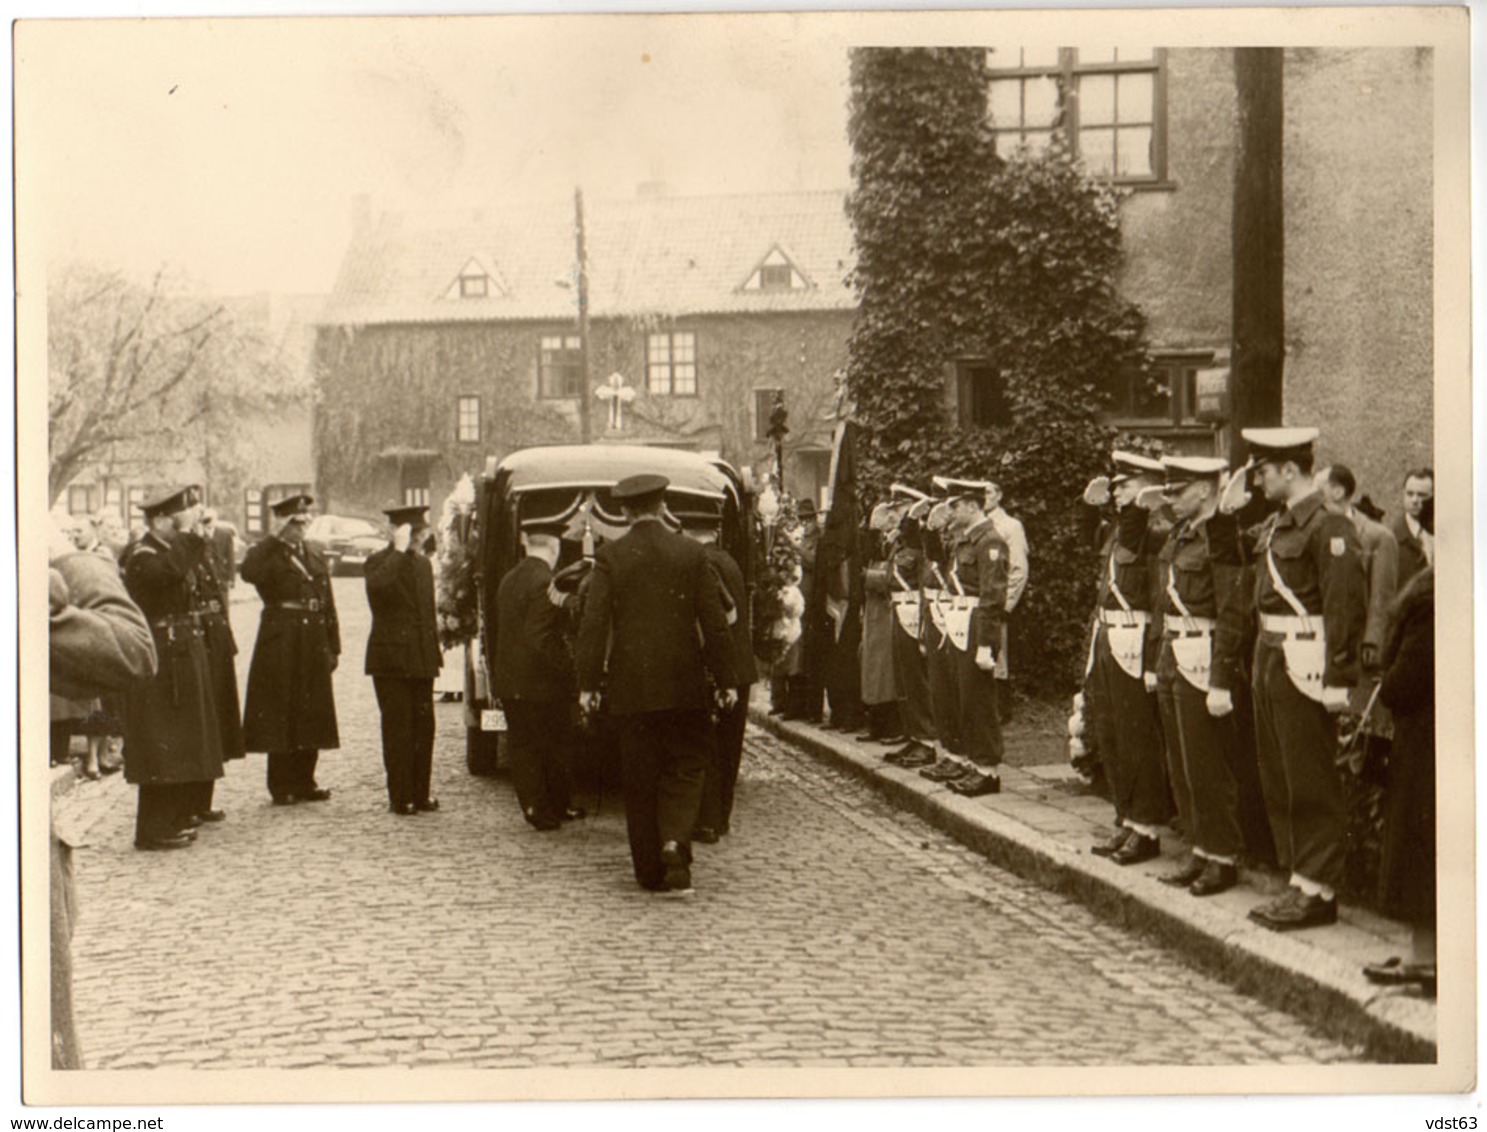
1338, 547
142, 550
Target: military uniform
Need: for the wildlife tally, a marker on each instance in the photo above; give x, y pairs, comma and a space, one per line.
980, 568
944, 686
1309, 597
1122, 711
290, 708
210, 597
1200, 608
403, 658
907, 567
172, 740
720, 780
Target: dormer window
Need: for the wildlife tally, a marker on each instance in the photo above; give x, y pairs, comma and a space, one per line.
776, 272
474, 281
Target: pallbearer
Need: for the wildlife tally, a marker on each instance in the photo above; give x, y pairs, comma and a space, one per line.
290, 707
1200, 603
172, 743
1310, 598
1123, 708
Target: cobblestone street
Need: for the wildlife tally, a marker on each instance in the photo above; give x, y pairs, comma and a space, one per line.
829, 929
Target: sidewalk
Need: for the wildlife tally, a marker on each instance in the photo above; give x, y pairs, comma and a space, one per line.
1041, 827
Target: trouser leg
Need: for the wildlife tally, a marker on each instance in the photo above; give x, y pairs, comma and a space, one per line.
421, 738
283, 773
640, 762
157, 812
911, 677
1210, 750
944, 691
686, 740
1172, 732
1318, 814
1269, 683
980, 722
1132, 725
397, 737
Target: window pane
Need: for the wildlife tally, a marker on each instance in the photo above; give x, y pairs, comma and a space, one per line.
1134, 156
573, 380
684, 347
1036, 142
1096, 100
1006, 103
573, 343
659, 347
686, 379
1042, 102
1136, 97
658, 378
552, 343
1097, 147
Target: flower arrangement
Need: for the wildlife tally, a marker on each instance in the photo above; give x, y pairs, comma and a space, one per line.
779, 604
454, 580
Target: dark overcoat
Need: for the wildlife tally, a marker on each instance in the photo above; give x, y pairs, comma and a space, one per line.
405, 637
654, 611
222, 650
170, 723
740, 630
290, 704
1407, 868
533, 659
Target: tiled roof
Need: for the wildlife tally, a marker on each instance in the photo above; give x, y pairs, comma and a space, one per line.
662, 256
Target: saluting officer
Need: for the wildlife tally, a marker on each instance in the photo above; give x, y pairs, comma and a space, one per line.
1123, 709
651, 593
1310, 597
290, 707
172, 742
403, 657
210, 595
1200, 600
944, 689
534, 678
907, 567
720, 780
979, 573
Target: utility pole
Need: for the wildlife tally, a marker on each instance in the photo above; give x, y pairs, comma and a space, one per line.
585, 427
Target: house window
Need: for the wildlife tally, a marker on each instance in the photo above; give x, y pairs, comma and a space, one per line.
671, 364
252, 509
415, 497
764, 403
467, 426
81, 499
474, 286
980, 395
1109, 104
560, 366
1169, 396
775, 277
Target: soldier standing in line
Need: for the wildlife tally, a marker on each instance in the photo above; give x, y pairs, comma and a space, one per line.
222, 549
172, 742
290, 707
403, 657
906, 564
1309, 595
210, 595
1123, 708
534, 679
944, 688
979, 570
720, 779
1200, 603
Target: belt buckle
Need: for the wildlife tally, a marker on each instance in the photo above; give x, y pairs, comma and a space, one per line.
313, 605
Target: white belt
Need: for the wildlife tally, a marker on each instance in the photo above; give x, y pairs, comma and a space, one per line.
1189, 626
931, 595
1120, 618
1290, 626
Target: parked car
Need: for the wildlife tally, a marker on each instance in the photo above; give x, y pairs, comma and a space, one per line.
345, 542
576, 480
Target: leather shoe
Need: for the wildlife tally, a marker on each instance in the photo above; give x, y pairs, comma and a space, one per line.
213, 816
155, 844
1261, 913
403, 808
575, 813
1304, 912
1396, 972
1112, 844
945, 771
705, 834
1139, 848
428, 806
1216, 877
904, 752
191, 821
890, 740
921, 758
976, 785
1186, 875
316, 795
678, 877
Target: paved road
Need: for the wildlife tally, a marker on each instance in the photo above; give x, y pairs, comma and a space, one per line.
830, 929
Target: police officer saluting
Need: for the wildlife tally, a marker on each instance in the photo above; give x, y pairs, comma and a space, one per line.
210, 595
290, 707
403, 657
1310, 598
172, 743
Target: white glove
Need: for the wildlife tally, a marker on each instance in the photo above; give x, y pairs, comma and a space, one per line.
1335, 699
1150, 680
984, 660
402, 537
728, 699
1151, 498
1235, 493
1097, 491
554, 595
588, 702
1220, 702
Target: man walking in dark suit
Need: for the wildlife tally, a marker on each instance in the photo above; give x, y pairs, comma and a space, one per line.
289, 710
403, 657
721, 775
534, 680
654, 608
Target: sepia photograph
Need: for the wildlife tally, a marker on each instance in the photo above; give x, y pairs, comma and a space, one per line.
725, 555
